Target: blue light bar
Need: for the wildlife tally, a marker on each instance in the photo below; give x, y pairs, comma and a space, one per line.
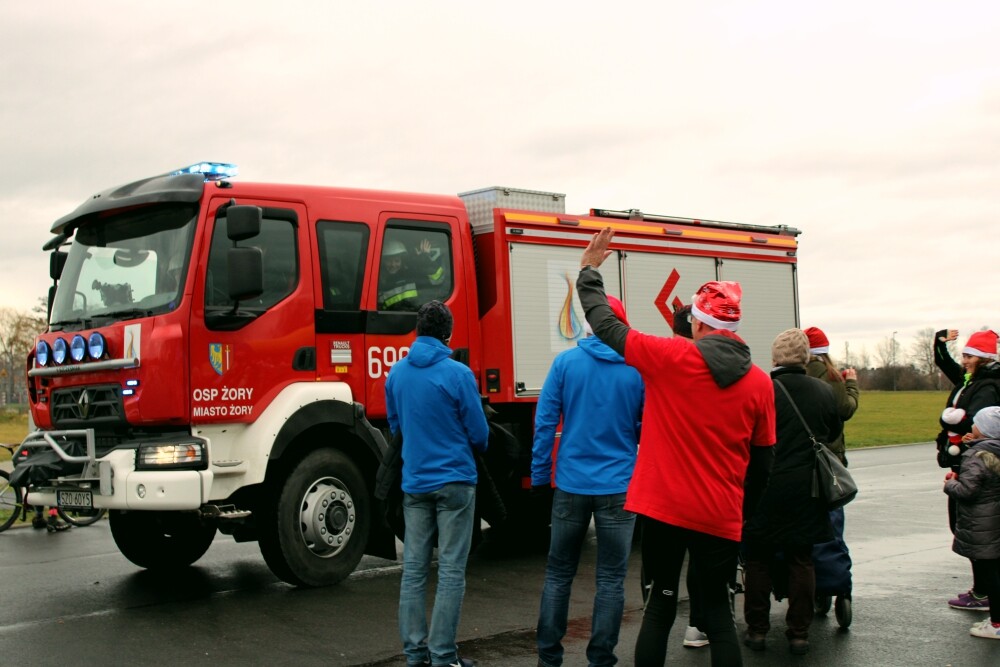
213, 171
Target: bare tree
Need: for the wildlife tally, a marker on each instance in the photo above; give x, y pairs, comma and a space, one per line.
17, 333
863, 358
888, 353
922, 352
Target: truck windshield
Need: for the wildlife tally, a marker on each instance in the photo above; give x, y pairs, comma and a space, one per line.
124, 266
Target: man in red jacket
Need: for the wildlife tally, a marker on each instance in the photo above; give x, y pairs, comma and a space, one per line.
708, 432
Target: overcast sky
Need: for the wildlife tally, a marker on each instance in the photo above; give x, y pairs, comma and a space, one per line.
873, 127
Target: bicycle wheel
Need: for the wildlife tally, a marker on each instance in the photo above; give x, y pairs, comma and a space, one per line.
81, 517
10, 501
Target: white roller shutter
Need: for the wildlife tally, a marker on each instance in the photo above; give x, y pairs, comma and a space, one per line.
544, 324
768, 306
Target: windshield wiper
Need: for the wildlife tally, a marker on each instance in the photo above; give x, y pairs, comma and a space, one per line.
126, 313
83, 323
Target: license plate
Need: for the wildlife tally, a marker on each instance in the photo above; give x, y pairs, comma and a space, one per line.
74, 499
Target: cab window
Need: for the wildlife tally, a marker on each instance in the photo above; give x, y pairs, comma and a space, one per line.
343, 247
415, 265
279, 260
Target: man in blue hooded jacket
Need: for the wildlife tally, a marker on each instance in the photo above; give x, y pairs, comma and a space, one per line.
435, 402
599, 400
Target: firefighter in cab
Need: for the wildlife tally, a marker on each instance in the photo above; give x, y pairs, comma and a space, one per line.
405, 274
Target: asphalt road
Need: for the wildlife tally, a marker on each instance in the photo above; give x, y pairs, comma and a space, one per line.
71, 599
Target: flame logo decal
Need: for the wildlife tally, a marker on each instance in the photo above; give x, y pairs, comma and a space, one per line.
570, 327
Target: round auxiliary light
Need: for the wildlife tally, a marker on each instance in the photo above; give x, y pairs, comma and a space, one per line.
77, 348
59, 350
42, 352
96, 345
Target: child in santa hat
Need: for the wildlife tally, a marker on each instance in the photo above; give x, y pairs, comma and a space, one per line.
976, 491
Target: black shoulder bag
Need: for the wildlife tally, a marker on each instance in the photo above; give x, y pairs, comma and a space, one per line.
831, 482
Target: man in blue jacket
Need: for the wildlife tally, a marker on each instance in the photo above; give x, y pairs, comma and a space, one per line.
599, 400
435, 402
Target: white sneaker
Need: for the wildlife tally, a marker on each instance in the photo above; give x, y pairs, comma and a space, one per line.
695, 638
985, 629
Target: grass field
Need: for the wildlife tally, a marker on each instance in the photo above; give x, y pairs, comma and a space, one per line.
883, 418
895, 417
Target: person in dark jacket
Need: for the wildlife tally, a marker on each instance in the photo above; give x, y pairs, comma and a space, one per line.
598, 398
976, 386
788, 518
844, 385
434, 402
688, 484
834, 577
976, 490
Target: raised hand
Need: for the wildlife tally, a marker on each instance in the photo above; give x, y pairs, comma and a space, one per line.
597, 250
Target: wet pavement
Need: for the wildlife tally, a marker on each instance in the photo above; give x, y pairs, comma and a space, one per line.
70, 598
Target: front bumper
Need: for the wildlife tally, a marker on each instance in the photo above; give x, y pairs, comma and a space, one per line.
113, 480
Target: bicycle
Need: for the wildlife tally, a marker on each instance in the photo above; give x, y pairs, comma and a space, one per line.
13, 506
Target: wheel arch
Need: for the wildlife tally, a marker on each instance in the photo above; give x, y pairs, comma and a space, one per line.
342, 426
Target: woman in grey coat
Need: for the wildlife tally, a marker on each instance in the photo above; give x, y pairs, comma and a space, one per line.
976, 490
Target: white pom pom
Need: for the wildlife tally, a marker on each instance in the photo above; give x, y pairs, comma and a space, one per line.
954, 450
952, 415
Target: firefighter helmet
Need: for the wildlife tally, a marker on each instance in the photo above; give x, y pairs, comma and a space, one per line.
393, 248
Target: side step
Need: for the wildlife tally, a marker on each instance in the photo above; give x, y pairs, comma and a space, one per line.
224, 512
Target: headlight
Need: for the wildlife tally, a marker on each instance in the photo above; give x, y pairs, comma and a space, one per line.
59, 350
96, 345
42, 351
77, 348
160, 457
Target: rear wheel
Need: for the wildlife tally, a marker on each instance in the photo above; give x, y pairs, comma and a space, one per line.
82, 517
161, 540
10, 502
314, 530
823, 603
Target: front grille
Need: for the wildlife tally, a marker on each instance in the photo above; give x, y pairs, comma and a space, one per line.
87, 406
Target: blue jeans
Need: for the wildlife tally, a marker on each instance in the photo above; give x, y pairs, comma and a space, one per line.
443, 517
571, 515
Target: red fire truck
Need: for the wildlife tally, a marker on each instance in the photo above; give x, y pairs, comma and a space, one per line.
217, 351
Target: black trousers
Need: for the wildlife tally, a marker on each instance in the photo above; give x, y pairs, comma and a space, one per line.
714, 562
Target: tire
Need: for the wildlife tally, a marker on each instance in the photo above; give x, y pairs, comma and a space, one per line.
842, 610
314, 530
823, 603
81, 517
161, 540
10, 502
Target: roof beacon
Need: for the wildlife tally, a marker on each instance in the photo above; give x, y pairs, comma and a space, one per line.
213, 171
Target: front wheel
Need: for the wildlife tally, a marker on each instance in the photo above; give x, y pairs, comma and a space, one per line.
161, 540
82, 517
314, 531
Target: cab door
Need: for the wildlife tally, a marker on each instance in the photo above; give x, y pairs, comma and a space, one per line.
400, 285
244, 353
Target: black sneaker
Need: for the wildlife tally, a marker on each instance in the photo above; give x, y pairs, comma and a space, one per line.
54, 525
38, 522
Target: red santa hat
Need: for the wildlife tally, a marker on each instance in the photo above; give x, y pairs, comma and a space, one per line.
818, 342
618, 308
717, 304
982, 344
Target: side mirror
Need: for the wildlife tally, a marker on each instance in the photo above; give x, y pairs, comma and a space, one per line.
246, 273
243, 222
57, 261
